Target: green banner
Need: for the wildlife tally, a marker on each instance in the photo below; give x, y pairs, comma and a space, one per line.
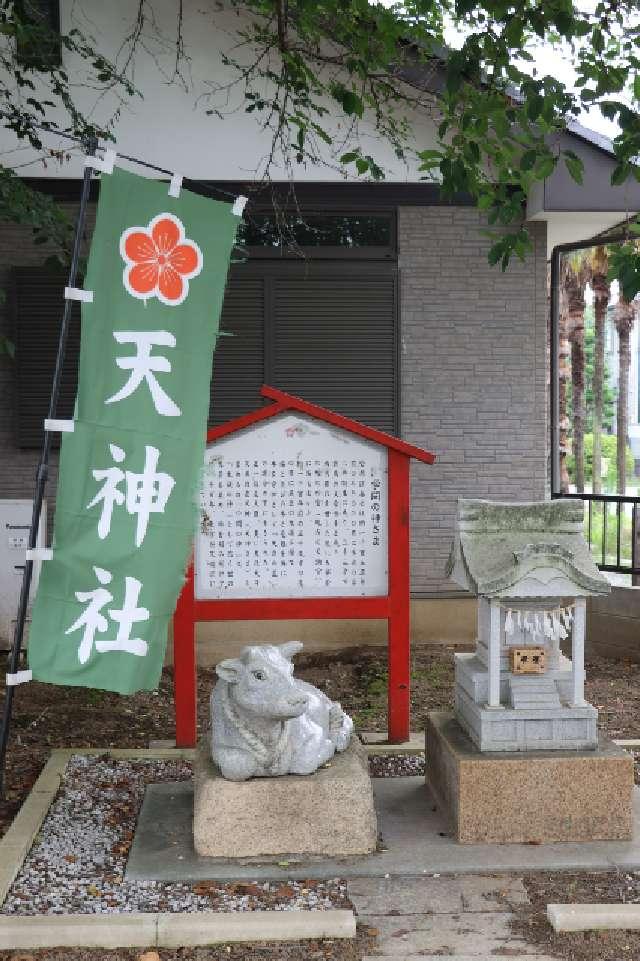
130, 470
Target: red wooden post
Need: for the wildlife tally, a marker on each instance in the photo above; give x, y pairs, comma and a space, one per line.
399, 656
184, 665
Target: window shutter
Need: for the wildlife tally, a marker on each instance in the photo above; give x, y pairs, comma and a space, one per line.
238, 361
334, 342
38, 300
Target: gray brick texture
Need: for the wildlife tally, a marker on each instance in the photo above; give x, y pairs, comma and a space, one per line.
473, 374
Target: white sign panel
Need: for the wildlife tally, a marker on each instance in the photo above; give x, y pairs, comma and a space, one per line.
293, 507
15, 523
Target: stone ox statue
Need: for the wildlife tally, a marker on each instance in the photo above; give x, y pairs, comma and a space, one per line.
264, 721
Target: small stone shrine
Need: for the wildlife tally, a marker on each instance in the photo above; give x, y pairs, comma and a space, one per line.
532, 571
521, 759
283, 773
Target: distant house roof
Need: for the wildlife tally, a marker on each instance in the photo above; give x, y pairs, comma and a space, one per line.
430, 77
591, 136
498, 545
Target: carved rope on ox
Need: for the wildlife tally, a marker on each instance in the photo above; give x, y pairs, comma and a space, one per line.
268, 756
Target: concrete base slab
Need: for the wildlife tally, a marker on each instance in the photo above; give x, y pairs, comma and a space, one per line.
538, 797
415, 841
377, 742
465, 918
490, 935
441, 895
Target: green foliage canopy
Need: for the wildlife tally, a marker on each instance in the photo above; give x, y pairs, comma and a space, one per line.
496, 118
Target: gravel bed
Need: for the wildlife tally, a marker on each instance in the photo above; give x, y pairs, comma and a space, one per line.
396, 765
77, 863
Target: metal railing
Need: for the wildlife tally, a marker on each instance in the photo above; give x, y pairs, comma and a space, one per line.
612, 531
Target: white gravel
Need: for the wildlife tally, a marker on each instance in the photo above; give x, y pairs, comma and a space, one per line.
77, 863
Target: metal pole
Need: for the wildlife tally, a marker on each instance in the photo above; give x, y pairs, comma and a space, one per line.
554, 346
43, 469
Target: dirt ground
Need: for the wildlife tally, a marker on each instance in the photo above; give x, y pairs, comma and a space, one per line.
348, 950
47, 717
593, 888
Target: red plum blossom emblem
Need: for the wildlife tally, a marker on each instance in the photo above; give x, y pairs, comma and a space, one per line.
160, 261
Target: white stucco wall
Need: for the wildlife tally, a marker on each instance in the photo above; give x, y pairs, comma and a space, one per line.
168, 124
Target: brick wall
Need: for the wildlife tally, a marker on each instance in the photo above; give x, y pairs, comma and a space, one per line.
473, 374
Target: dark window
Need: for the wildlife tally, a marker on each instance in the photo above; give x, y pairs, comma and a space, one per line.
38, 304
320, 235
38, 46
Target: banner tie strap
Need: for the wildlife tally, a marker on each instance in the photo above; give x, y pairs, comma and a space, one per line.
239, 205
175, 185
39, 553
20, 677
76, 293
65, 426
104, 165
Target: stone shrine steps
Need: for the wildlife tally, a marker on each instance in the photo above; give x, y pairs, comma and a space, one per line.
533, 693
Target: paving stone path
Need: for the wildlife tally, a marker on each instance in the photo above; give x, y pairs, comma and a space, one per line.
428, 919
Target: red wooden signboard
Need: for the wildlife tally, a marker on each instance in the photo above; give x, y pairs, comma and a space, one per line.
393, 606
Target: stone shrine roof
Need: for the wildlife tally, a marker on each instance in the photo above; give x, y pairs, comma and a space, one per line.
497, 545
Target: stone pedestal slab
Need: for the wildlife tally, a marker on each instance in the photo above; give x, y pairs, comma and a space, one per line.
329, 813
537, 797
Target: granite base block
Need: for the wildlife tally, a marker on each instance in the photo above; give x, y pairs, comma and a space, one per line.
538, 797
329, 813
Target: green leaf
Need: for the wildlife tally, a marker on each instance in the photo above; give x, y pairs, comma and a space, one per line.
619, 175
574, 165
544, 167
352, 103
349, 157
534, 106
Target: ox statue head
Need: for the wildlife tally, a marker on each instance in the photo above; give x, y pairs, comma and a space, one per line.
261, 681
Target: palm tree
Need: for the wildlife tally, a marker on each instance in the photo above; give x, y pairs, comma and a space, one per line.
563, 380
623, 317
575, 276
601, 294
